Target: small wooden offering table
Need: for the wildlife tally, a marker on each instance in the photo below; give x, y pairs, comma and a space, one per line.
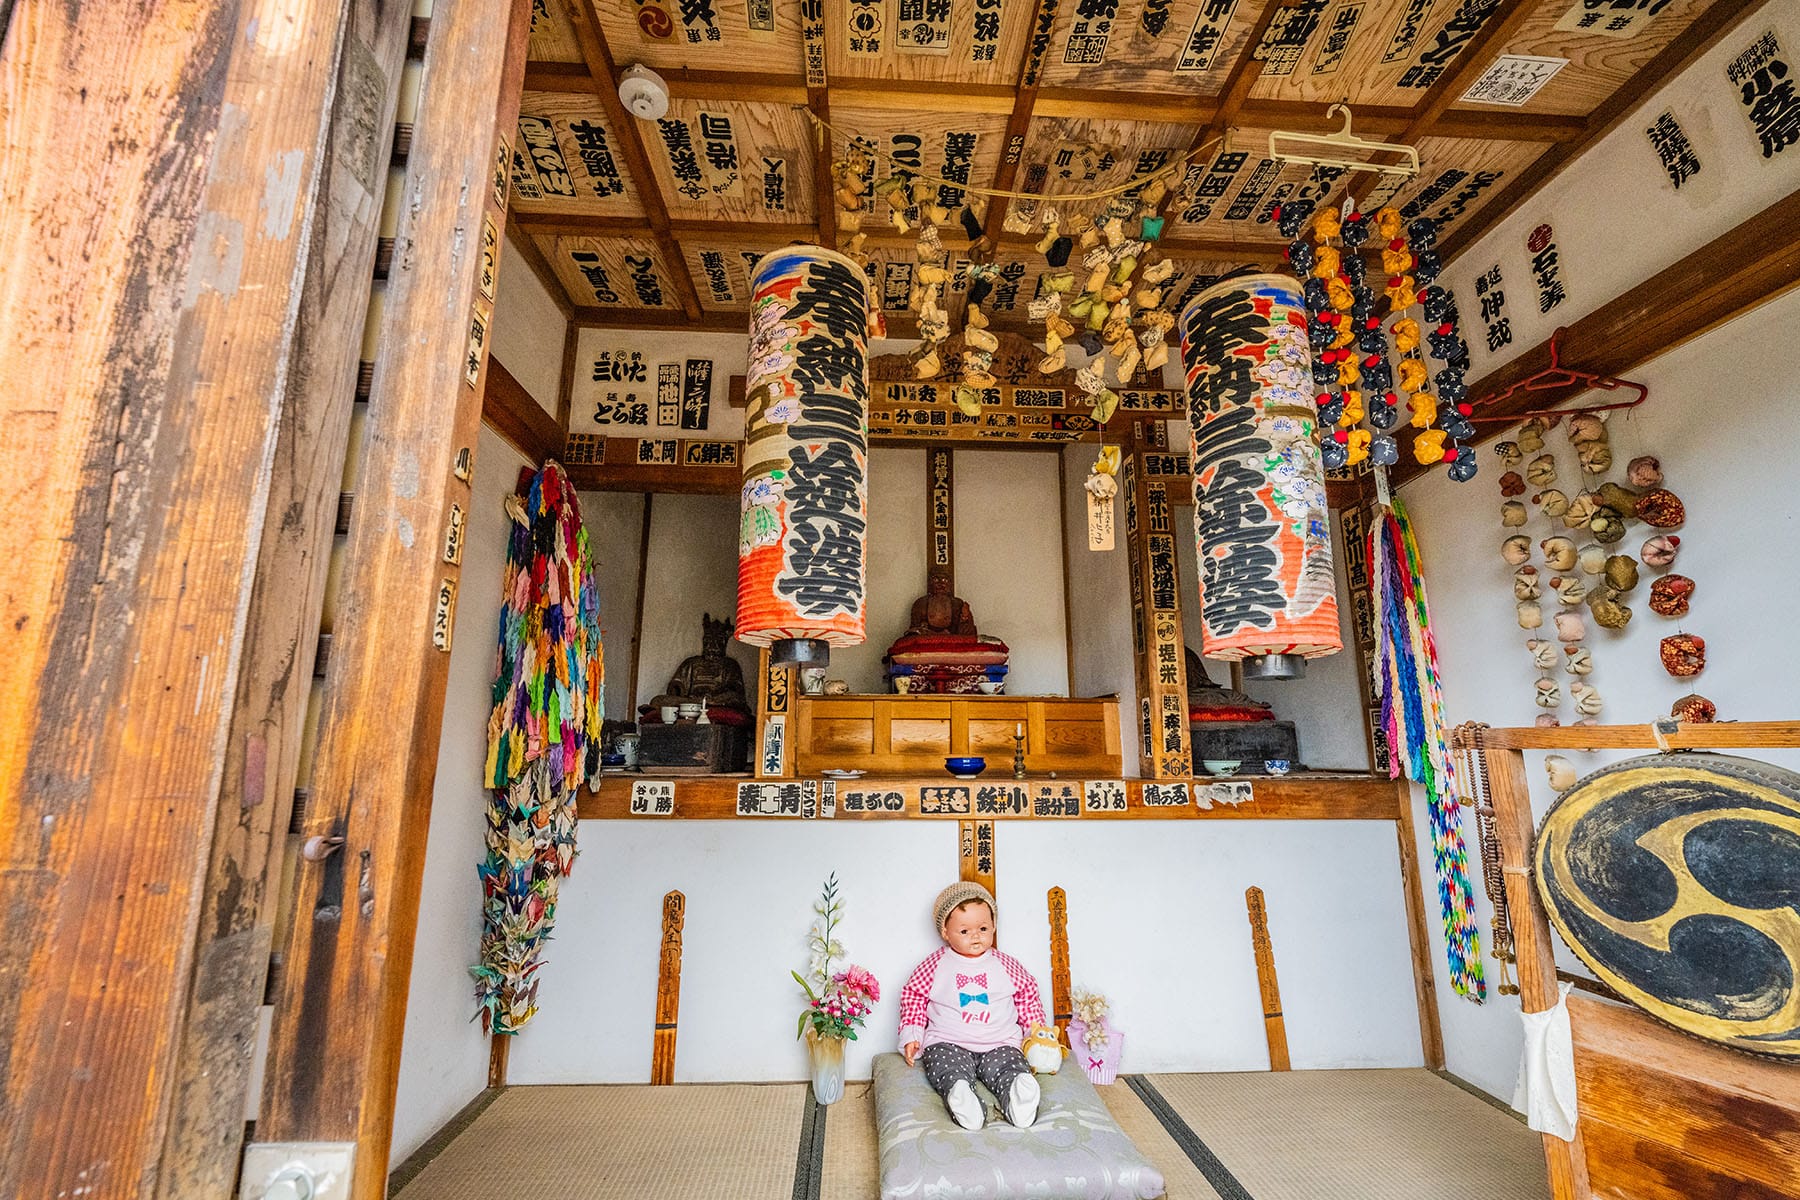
912, 735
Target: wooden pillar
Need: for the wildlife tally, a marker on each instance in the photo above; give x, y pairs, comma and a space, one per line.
668, 990
1062, 1004
334, 1051
1513, 828
940, 518
1418, 937
1156, 640
159, 210
975, 852
776, 716
1274, 1023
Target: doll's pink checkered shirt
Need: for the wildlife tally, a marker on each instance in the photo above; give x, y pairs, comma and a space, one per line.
933, 1008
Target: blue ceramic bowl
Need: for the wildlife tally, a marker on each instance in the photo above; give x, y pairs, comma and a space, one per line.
965, 768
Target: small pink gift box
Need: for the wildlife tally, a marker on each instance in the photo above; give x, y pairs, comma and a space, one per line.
1102, 1066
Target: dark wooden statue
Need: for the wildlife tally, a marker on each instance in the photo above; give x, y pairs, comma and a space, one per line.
711, 675
938, 612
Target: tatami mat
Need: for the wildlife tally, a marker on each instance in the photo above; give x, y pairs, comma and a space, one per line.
1358, 1135
1301, 1135
851, 1165
1182, 1178
687, 1142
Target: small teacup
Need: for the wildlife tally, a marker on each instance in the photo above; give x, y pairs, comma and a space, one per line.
1276, 766
667, 713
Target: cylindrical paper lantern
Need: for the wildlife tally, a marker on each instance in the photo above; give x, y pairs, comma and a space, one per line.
1267, 593
806, 454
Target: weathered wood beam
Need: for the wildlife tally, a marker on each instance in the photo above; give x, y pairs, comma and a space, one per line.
262, 750
516, 416
156, 241
1704, 32
1723, 735
1018, 122
818, 101
589, 317
334, 1049
1730, 275
603, 78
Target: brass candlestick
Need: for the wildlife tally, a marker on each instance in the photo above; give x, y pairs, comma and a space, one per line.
1018, 755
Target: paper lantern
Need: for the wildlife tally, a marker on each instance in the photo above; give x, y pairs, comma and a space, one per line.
804, 504
1267, 593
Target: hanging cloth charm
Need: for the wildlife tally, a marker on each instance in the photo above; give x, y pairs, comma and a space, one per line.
1101, 486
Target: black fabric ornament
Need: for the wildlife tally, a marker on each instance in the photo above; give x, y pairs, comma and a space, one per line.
1421, 234
1456, 425
1331, 410
1383, 450
1450, 385
1356, 231
1371, 341
1320, 334
1437, 304
979, 289
1379, 378
1334, 454
1447, 346
1324, 374
1427, 266
1058, 254
971, 224
1464, 468
1317, 298
1289, 217
1300, 254
1383, 416
1363, 307
1355, 270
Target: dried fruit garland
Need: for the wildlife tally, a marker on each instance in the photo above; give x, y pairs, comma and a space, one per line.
1412, 712
543, 739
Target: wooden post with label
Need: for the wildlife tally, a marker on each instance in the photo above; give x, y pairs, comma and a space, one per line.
334, 1048
940, 517
668, 990
1062, 1003
1274, 1024
1156, 640
773, 755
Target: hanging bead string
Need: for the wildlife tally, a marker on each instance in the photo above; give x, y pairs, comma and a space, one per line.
1479, 796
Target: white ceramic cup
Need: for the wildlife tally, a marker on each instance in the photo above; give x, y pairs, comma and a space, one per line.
667, 712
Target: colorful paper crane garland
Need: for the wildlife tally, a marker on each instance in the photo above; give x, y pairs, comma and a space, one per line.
543, 739
1412, 713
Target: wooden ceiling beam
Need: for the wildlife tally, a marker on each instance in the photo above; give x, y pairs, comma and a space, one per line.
1701, 35
1464, 69
1018, 121
925, 95
603, 80
711, 321
1729, 276
1232, 97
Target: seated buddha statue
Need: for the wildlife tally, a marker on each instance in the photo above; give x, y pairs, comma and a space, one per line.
711, 676
938, 612
1211, 701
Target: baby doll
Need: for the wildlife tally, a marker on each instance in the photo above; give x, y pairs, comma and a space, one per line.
965, 1010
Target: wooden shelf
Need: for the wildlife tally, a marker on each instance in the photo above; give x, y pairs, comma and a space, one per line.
911, 735
1310, 796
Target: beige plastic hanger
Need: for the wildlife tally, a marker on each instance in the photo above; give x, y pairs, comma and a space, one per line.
1311, 146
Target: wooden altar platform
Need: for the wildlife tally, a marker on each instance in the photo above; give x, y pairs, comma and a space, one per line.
905, 734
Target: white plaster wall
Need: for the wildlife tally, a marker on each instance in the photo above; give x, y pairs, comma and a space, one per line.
528, 330
894, 564
727, 351
444, 1057
692, 570
1721, 415
615, 525
749, 889
1617, 218
1157, 923
1100, 605
1009, 561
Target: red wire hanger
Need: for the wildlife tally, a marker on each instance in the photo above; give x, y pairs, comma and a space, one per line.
1555, 377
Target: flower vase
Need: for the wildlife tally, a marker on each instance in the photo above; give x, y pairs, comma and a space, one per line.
1102, 1065
827, 1055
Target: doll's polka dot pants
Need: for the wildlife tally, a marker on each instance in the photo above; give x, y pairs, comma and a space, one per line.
946, 1064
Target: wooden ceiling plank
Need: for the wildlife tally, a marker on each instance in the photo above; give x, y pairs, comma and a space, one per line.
1468, 65
579, 225
523, 241
1232, 97
603, 78
1018, 124
755, 86
558, 77
1701, 35
1730, 275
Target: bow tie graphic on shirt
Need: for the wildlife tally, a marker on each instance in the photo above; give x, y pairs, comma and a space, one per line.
966, 998
966, 980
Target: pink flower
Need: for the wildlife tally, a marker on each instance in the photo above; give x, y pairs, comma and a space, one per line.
859, 980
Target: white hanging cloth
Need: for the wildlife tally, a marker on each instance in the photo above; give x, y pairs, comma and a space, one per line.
1546, 1091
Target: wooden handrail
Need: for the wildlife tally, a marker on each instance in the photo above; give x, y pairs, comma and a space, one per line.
1718, 735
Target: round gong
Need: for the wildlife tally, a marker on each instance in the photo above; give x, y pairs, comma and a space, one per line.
1676, 877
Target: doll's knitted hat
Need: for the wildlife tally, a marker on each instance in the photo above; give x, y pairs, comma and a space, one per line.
957, 893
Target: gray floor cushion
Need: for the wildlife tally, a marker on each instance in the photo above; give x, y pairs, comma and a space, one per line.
1075, 1151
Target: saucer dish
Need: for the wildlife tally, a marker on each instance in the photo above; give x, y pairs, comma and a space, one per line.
843, 774
1222, 766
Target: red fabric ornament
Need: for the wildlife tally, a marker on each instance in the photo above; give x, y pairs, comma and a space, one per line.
1683, 654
